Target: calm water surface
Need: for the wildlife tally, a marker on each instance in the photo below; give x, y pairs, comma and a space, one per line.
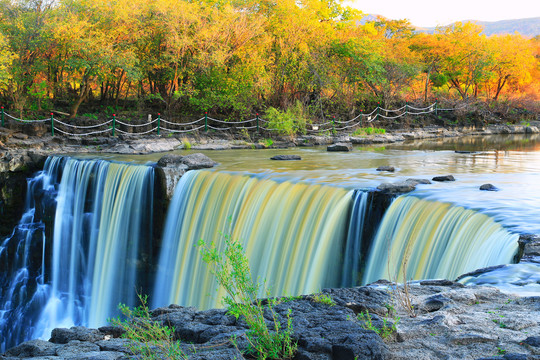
511, 163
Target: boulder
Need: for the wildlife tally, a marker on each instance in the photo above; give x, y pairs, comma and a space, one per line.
172, 167
398, 187
444, 178
340, 147
386, 168
488, 187
286, 157
64, 336
418, 181
33, 348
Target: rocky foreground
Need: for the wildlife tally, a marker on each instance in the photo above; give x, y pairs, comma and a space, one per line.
452, 322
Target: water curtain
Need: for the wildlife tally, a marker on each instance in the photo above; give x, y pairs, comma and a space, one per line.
103, 209
292, 235
430, 239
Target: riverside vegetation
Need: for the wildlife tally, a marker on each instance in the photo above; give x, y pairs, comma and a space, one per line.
237, 59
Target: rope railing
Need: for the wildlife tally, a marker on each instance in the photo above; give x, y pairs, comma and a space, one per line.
207, 123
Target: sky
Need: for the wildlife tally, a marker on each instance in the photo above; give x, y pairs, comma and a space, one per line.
426, 13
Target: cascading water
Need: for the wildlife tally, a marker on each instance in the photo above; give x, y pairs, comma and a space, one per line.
102, 211
292, 235
430, 239
23, 275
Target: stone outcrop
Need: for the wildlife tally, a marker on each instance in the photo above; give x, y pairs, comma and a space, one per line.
341, 146
444, 178
488, 187
15, 167
286, 157
171, 167
450, 321
386, 168
401, 187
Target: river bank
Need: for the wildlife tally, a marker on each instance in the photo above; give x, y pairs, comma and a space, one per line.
451, 322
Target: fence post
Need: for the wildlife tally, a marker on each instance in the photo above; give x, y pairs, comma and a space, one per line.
334, 124
436, 106
52, 124
378, 110
257, 123
113, 123
206, 121
2, 116
361, 118
158, 120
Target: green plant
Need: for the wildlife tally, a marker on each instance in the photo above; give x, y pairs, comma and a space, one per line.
368, 131
187, 144
385, 331
324, 299
149, 339
268, 143
231, 269
289, 122
501, 351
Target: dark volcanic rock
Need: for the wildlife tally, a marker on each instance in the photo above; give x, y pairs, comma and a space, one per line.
398, 187
286, 157
33, 348
171, 167
64, 336
444, 178
488, 187
419, 181
340, 147
386, 168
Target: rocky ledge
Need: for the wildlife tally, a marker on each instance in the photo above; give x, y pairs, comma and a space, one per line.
450, 321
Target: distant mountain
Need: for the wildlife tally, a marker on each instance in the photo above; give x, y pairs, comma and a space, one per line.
529, 27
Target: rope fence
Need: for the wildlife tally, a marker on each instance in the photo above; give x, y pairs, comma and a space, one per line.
159, 125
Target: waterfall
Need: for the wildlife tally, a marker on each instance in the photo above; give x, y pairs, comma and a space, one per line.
430, 239
102, 211
292, 235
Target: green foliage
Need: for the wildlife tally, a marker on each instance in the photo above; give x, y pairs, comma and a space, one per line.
148, 339
186, 143
385, 331
231, 269
368, 131
324, 299
268, 143
290, 122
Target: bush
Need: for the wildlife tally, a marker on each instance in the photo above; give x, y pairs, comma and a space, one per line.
149, 339
290, 122
231, 269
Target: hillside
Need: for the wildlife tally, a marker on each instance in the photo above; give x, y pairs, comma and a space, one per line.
529, 27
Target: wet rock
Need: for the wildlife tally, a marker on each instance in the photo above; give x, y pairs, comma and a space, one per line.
75, 349
172, 167
286, 157
64, 336
340, 147
33, 348
444, 178
489, 187
418, 181
386, 168
398, 187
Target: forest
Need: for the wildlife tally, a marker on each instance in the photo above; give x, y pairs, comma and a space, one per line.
236, 58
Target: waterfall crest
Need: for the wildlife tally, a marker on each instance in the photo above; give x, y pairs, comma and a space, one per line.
431, 240
292, 235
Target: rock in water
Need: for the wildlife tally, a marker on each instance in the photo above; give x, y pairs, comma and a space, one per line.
386, 168
286, 157
444, 178
488, 187
340, 147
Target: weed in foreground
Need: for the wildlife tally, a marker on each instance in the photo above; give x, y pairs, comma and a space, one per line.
231, 269
385, 331
149, 340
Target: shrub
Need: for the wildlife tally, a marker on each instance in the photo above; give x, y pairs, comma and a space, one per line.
384, 331
149, 339
231, 269
290, 122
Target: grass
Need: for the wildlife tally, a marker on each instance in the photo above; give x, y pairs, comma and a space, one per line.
385, 331
324, 299
187, 144
368, 131
231, 269
148, 339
